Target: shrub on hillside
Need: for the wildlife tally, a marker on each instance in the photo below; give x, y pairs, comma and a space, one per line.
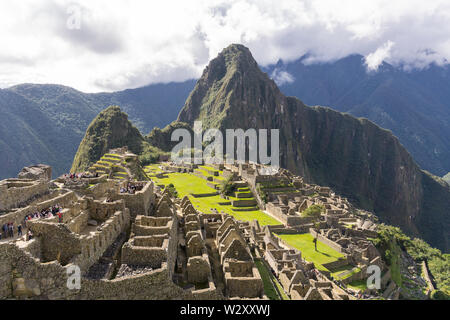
313, 211
261, 192
171, 188
227, 187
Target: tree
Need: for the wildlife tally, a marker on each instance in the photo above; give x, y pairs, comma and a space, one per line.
227, 187
313, 211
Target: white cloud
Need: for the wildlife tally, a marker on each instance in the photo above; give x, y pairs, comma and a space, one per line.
375, 59
281, 77
130, 43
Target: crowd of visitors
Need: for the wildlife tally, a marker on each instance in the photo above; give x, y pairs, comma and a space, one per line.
8, 229
132, 188
50, 212
74, 176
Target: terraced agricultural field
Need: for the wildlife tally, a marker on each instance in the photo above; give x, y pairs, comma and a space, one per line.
110, 161
190, 184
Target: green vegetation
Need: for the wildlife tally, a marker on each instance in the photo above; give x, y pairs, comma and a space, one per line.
227, 187
171, 189
324, 254
347, 269
313, 211
269, 288
188, 184
388, 240
161, 138
391, 240
358, 285
305, 244
271, 285
185, 183
151, 154
439, 295
261, 192
110, 129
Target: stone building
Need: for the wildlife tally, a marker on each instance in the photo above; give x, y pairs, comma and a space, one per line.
242, 278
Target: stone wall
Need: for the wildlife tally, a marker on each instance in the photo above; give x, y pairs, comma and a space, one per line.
360, 275
153, 243
147, 226
101, 210
94, 244
49, 281
146, 251
244, 287
60, 242
276, 211
57, 242
79, 222
17, 217
16, 192
139, 203
37, 172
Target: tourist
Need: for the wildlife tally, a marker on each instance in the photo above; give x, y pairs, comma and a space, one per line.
19, 230
5, 230
29, 235
11, 230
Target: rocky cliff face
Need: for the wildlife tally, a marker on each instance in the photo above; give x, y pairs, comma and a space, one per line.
413, 104
353, 156
110, 129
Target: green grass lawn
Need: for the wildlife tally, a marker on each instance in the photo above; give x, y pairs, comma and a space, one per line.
304, 243
153, 168
336, 272
269, 282
269, 288
186, 184
358, 285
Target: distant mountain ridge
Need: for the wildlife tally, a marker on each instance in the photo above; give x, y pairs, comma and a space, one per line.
414, 105
45, 123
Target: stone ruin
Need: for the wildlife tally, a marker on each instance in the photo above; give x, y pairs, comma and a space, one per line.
37, 172
149, 245
125, 245
242, 278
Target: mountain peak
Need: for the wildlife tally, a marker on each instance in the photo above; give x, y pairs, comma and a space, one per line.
232, 84
232, 59
239, 56
110, 129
